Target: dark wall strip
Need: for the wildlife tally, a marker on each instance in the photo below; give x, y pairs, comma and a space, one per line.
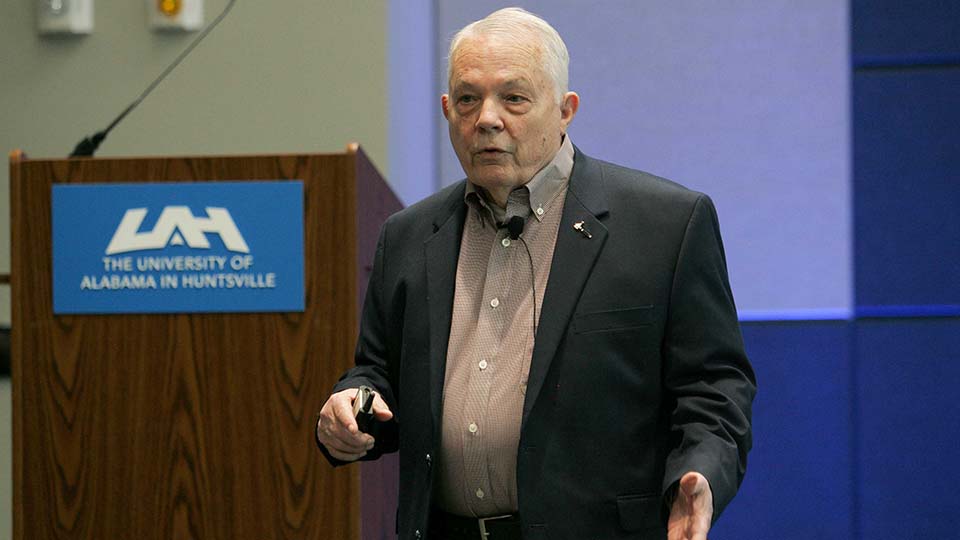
4, 352
908, 312
899, 62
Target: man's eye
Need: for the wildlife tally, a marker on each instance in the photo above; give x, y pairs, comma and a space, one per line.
515, 99
466, 99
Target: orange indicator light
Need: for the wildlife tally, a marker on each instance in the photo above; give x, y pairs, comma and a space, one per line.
170, 8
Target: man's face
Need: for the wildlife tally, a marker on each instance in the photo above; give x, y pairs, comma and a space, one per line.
505, 119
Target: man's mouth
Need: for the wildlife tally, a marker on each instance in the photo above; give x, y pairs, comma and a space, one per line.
491, 151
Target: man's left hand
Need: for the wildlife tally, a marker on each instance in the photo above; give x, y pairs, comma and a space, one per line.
692, 510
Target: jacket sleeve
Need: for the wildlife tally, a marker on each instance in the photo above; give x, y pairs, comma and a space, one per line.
708, 380
373, 359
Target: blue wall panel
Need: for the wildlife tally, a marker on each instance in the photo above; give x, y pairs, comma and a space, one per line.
896, 27
798, 483
908, 374
907, 187
747, 101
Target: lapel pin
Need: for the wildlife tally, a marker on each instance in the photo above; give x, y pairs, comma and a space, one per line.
581, 229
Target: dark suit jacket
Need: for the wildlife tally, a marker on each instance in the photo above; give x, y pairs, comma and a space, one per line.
638, 372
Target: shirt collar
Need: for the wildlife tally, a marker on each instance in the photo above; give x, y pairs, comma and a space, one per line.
536, 197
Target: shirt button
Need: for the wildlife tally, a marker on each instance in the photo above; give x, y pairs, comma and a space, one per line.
416, 533
495, 302
479, 493
483, 364
472, 428
540, 211
429, 460
505, 242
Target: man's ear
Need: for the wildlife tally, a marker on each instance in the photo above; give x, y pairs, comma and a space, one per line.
568, 109
445, 105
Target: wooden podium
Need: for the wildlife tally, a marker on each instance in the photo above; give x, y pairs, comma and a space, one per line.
193, 426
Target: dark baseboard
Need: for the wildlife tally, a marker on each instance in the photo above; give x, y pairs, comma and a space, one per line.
4, 351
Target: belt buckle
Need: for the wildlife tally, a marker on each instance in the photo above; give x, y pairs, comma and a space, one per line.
483, 524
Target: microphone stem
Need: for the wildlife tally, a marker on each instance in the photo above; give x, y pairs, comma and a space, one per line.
88, 146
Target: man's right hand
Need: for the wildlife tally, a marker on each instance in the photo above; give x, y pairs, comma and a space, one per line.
337, 428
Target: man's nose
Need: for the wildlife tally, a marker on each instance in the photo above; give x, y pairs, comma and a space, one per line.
489, 119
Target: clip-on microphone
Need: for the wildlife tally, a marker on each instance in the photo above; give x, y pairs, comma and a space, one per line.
514, 227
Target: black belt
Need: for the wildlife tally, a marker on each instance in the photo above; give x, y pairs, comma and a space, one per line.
451, 527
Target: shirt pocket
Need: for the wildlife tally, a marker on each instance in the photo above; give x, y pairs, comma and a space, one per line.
613, 320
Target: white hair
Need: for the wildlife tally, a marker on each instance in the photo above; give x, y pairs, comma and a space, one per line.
515, 24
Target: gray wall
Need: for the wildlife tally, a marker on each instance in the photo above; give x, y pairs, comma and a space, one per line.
291, 76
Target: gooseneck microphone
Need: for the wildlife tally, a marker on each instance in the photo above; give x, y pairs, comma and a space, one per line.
88, 146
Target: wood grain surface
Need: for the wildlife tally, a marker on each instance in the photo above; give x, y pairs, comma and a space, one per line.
188, 426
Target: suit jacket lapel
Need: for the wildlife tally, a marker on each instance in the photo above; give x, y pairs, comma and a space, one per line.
441, 251
573, 259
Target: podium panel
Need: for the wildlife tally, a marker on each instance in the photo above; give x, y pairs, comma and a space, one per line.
160, 426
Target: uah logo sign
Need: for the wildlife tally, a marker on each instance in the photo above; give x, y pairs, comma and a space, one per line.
178, 247
176, 225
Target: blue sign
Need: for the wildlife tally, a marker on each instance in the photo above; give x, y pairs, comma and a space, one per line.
178, 247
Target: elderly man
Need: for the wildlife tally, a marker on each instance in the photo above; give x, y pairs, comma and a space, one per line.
553, 341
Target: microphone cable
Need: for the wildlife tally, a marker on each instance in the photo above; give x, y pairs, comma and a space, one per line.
515, 227
533, 285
